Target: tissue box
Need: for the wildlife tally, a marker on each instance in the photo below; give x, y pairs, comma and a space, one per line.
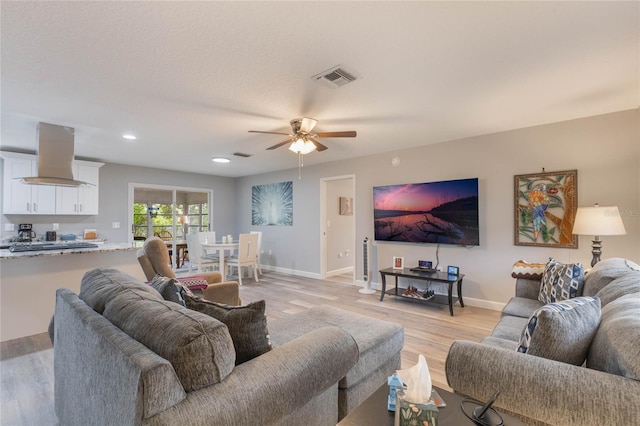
411, 414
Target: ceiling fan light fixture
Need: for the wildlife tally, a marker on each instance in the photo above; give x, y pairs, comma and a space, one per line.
302, 146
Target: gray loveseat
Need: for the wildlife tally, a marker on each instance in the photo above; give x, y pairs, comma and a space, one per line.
604, 390
184, 373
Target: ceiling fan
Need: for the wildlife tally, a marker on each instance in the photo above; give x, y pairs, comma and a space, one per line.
302, 140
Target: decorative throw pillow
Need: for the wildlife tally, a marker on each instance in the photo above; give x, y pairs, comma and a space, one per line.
169, 288
561, 281
194, 283
247, 325
529, 271
562, 331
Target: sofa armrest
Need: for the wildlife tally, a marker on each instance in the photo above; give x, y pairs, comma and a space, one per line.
272, 385
227, 293
541, 389
527, 288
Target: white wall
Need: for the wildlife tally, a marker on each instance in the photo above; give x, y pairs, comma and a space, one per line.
604, 149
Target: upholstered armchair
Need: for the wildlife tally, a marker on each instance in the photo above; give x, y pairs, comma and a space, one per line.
154, 259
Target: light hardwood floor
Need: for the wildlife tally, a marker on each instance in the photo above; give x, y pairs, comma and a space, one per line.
26, 365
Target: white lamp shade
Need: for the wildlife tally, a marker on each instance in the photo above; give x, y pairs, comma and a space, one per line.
598, 221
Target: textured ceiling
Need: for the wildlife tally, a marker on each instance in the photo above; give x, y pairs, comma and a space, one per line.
191, 78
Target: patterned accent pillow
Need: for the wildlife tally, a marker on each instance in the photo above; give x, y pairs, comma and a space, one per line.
194, 283
561, 282
247, 325
529, 271
562, 331
169, 288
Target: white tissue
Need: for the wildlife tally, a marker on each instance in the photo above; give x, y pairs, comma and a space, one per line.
418, 382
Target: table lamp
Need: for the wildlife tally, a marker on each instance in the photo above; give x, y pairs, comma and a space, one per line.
598, 221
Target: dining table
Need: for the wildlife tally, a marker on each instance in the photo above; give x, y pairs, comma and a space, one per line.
220, 247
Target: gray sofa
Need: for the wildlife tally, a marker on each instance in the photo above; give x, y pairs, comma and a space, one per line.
604, 390
125, 356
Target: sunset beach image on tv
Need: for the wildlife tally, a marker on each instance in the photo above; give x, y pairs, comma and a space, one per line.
444, 212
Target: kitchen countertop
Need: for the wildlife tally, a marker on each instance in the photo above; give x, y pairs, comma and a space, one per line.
102, 248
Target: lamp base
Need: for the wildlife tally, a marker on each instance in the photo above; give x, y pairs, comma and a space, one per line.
596, 250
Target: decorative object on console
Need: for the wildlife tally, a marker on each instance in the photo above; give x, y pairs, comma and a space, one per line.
598, 221
398, 262
561, 282
453, 270
545, 208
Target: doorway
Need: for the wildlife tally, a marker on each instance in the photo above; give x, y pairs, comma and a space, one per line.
170, 213
338, 233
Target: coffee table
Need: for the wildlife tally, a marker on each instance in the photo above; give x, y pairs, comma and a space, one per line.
373, 411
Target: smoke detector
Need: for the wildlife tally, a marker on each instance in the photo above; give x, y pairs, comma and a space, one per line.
335, 77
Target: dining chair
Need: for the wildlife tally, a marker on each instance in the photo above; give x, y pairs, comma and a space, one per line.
208, 237
258, 250
195, 254
246, 257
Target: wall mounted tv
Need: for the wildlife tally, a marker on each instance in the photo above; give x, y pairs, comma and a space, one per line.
443, 212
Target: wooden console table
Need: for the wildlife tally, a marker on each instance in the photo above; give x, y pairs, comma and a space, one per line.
441, 277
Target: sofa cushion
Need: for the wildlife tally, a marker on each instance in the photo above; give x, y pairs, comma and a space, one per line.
606, 271
526, 270
521, 307
615, 346
509, 328
561, 281
562, 331
169, 289
247, 325
100, 285
629, 283
198, 347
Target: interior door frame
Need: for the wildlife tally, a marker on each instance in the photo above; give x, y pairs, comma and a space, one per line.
174, 189
323, 224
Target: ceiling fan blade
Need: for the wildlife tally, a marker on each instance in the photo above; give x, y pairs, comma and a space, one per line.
270, 133
347, 134
278, 145
308, 124
319, 146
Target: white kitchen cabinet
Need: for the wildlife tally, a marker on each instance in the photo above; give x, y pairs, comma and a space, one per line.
20, 198
82, 200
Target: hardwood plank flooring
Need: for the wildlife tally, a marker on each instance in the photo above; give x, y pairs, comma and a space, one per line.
26, 365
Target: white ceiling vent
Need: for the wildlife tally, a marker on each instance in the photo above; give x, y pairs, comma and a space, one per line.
335, 77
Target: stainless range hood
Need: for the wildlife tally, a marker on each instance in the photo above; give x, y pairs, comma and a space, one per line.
55, 157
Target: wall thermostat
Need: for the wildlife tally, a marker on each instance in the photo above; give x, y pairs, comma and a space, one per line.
453, 270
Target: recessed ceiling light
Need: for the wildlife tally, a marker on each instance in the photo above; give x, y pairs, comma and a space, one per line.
220, 160
130, 137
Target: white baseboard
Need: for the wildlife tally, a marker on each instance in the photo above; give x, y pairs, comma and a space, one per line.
288, 271
341, 271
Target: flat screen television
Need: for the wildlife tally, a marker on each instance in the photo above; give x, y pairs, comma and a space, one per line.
444, 212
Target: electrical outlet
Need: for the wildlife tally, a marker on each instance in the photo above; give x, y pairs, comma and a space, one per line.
115, 225
56, 226
9, 227
340, 254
